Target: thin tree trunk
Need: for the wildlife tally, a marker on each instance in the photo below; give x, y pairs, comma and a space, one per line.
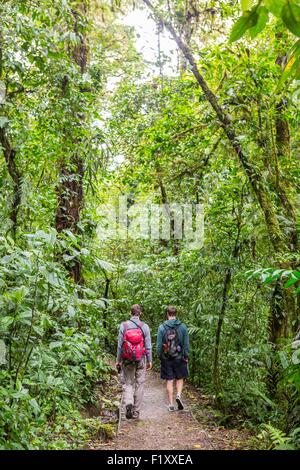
283, 305
216, 362
105, 297
283, 151
187, 30
226, 287
10, 158
70, 189
165, 202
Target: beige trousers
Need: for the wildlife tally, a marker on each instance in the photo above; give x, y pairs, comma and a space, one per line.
133, 380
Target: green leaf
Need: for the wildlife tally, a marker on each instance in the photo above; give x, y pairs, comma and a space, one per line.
283, 360
246, 4
55, 344
3, 121
275, 6
89, 369
261, 23
5, 322
247, 21
35, 406
296, 357
105, 265
291, 17
69, 257
291, 281
2, 352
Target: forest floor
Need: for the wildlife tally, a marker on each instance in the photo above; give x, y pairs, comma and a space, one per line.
158, 429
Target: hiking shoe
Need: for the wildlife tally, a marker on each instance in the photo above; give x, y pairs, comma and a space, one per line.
135, 415
179, 402
171, 408
129, 411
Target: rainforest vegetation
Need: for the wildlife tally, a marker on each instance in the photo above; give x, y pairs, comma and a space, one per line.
213, 120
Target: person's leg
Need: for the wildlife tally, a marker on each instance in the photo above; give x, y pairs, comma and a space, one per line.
166, 373
170, 391
179, 386
128, 373
140, 376
181, 372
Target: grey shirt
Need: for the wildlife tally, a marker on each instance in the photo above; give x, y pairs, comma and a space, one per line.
146, 331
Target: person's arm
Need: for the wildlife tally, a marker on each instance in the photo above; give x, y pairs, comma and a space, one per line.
148, 345
186, 343
159, 348
120, 344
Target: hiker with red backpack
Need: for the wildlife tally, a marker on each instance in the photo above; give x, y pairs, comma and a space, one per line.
173, 351
134, 350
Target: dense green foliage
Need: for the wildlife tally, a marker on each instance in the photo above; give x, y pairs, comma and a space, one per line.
83, 120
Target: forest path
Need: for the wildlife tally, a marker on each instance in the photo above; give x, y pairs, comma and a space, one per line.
159, 429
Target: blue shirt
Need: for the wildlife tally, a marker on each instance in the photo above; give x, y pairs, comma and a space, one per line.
182, 334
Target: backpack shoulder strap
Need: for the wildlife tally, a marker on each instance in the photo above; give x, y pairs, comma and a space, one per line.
140, 327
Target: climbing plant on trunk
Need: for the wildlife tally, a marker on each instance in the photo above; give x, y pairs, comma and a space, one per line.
71, 173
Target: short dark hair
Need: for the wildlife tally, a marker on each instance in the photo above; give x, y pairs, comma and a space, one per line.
136, 310
171, 310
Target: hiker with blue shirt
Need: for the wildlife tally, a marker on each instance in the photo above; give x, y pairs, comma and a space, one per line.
173, 351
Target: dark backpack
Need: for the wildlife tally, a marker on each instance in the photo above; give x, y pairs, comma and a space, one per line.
171, 346
133, 343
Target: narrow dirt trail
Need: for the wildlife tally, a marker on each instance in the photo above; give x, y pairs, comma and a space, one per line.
158, 429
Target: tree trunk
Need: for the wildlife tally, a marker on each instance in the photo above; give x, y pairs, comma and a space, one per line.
187, 30
166, 207
216, 365
70, 188
283, 305
226, 287
283, 152
10, 156
105, 297
282, 131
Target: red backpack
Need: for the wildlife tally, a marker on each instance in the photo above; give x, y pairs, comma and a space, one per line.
133, 343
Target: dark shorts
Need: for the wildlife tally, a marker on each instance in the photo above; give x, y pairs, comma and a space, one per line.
173, 369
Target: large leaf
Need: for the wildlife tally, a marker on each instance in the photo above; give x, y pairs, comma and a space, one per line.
292, 63
275, 6
263, 16
291, 17
105, 265
35, 406
296, 357
291, 281
3, 121
246, 4
247, 21
283, 359
2, 352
